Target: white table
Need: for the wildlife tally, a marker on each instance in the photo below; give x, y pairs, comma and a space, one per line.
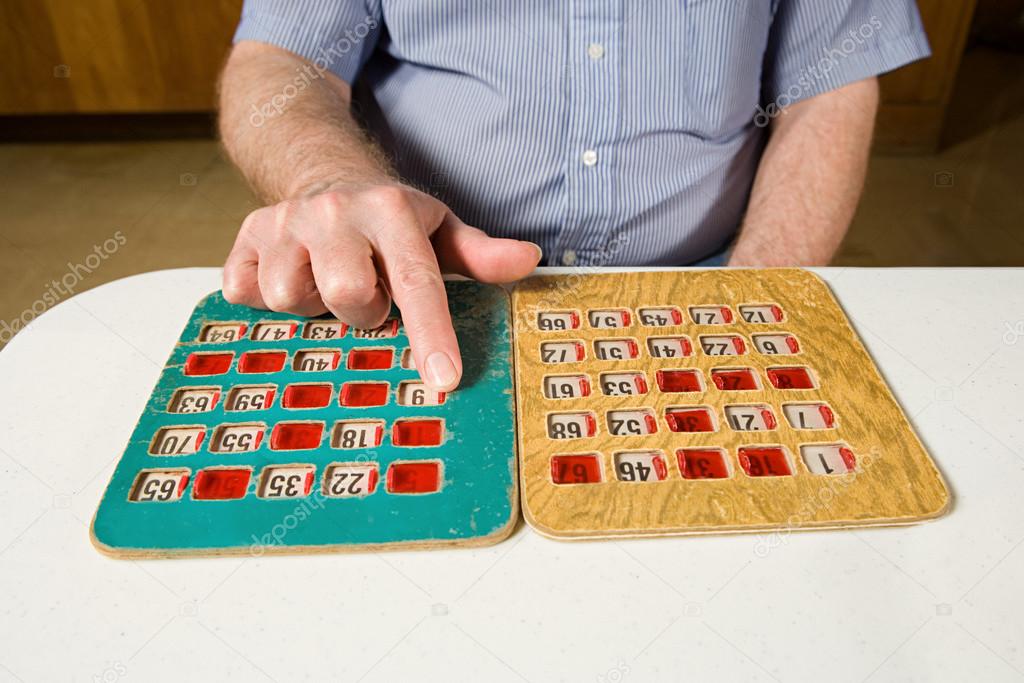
941, 600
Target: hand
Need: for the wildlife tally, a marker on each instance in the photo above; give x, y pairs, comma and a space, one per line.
349, 249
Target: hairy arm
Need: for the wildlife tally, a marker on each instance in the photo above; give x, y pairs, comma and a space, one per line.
809, 180
340, 231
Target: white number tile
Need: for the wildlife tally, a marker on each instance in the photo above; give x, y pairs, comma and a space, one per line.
558, 320
219, 333
828, 459
776, 344
623, 383
616, 349
177, 440
723, 345
419, 394
750, 418
632, 422
194, 400
286, 481
159, 486
384, 331
711, 315
605, 319
761, 313
237, 438
350, 434
640, 466
324, 329
571, 425
809, 415
660, 317
316, 360
250, 397
669, 347
274, 331
350, 480
562, 352
566, 386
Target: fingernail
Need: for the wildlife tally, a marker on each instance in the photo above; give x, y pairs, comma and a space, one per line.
540, 252
440, 370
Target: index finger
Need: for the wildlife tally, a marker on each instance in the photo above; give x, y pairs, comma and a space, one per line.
417, 287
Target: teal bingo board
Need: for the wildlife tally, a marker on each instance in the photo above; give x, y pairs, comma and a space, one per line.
272, 433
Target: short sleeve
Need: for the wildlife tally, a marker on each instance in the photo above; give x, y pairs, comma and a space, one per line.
336, 35
820, 45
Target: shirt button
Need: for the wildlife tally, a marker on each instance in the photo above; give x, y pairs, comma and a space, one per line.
589, 157
568, 257
595, 51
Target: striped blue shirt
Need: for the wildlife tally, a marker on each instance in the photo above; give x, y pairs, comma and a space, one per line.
609, 132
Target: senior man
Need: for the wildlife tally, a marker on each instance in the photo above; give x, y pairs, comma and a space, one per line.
394, 140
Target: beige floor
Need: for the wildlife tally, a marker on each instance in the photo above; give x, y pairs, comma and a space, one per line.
179, 203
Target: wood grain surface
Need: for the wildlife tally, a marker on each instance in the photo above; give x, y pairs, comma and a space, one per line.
895, 481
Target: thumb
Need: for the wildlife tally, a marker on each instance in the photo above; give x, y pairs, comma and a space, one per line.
471, 252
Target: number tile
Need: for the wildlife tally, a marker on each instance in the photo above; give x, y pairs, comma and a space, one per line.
370, 359
348, 434
690, 419
294, 436
765, 461
316, 360
414, 477
669, 347
324, 329
221, 483
417, 432
286, 481
702, 463
350, 480
159, 486
829, 458
576, 469
221, 333
262, 361
208, 363
640, 466
637, 422
363, 394
416, 393
306, 396
178, 440
562, 352
735, 379
761, 313
274, 330
609, 318
237, 438
616, 349
194, 400
679, 381
246, 397
548, 321
623, 383
571, 425
791, 378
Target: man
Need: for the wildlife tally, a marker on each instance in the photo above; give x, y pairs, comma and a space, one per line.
611, 132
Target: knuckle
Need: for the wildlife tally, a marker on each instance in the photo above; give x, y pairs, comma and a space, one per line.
281, 298
388, 200
418, 276
350, 291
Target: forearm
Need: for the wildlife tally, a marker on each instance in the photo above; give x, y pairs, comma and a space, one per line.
810, 179
300, 136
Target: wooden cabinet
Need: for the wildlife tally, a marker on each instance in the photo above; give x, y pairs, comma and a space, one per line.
914, 98
112, 56
130, 56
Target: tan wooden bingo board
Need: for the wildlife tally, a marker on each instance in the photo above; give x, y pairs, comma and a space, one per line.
656, 403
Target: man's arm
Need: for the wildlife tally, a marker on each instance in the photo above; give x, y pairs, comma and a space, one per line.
341, 232
810, 179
